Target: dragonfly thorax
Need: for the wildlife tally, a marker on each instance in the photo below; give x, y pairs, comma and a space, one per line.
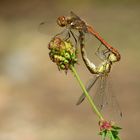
104, 67
79, 25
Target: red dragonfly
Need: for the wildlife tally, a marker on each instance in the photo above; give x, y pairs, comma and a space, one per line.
75, 22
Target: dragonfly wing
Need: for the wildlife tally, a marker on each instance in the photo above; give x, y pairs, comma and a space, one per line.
88, 87
50, 28
100, 96
73, 15
105, 100
116, 110
81, 99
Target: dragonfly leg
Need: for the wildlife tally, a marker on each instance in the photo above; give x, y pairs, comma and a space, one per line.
67, 37
65, 30
101, 54
74, 38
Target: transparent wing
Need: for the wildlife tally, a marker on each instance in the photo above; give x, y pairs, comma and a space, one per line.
100, 97
114, 109
51, 29
73, 15
49, 25
90, 83
105, 100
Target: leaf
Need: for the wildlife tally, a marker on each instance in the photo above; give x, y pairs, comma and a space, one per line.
115, 133
116, 127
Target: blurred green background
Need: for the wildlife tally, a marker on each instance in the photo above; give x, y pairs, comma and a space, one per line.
37, 102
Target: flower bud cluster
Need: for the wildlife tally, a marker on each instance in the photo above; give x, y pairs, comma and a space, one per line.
63, 53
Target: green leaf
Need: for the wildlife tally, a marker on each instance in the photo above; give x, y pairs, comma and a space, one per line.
116, 127
114, 132
117, 138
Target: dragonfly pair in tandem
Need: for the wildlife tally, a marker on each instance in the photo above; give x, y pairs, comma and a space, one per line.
108, 56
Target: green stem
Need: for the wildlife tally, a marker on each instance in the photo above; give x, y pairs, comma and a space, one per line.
112, 137
94, 108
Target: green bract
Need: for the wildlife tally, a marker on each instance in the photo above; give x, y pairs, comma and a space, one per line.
108, 129
62, 53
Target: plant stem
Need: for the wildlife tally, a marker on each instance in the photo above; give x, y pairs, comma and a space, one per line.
91, 102
112, 137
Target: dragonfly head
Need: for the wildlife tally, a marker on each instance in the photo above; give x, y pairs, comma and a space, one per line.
61, 21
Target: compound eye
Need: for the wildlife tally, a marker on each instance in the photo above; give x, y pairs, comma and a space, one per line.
61, 21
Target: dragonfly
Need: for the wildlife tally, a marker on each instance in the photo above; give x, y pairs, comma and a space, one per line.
75, 23
101, 73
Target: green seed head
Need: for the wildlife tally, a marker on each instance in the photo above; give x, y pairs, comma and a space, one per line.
62, 53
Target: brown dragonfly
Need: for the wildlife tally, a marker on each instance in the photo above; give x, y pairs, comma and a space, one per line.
103, 98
